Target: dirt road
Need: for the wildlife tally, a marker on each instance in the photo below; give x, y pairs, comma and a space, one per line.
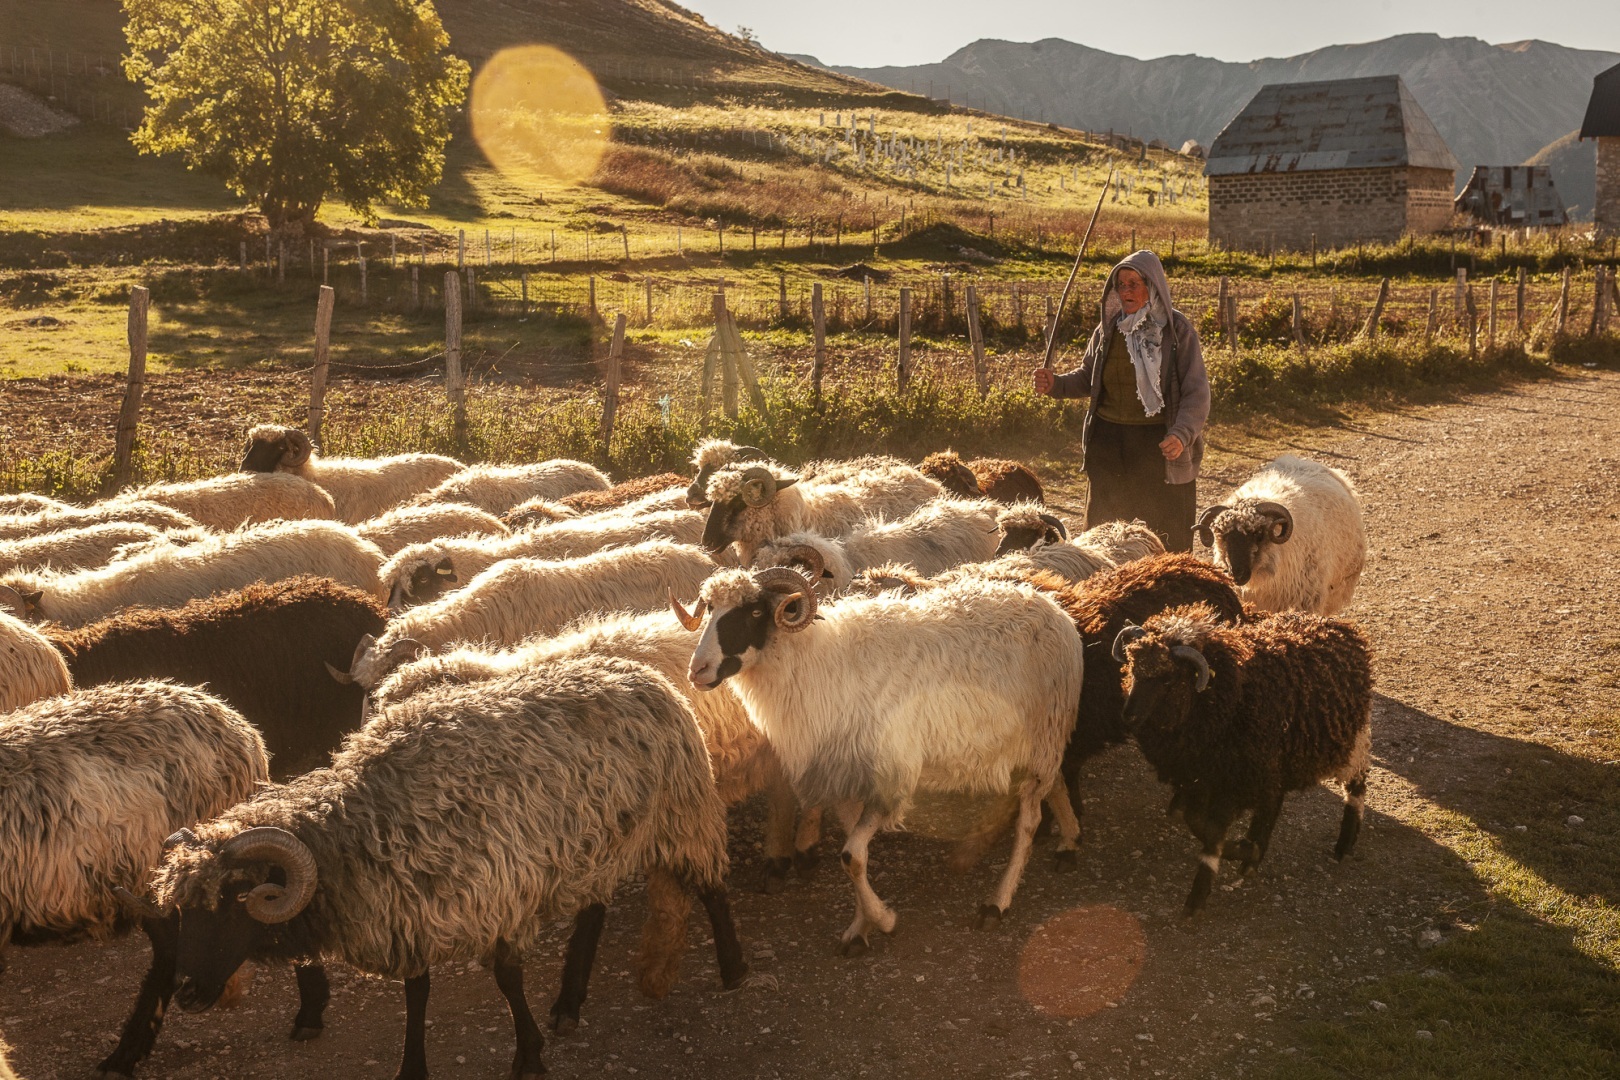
1491, 598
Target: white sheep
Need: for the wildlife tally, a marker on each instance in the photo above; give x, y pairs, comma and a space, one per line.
424, 572
29, 503
406, 525
1292, 537
498, 488
169, 576
970, 687
742, 758
518, 598
939, 535
74, 549
361, 488
18, 526
30, 666
750, 504
237, 499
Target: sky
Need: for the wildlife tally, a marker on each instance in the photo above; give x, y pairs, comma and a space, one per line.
876, 33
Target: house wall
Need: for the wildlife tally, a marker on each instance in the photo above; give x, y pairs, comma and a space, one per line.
1606, 211
1340, 207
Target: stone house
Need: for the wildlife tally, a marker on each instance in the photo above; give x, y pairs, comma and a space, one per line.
1338, 162
1602, 123
1513, 195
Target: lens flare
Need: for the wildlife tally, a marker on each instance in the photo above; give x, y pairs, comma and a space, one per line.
1075, 963
538, 115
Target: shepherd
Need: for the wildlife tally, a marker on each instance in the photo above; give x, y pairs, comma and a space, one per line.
1147, 394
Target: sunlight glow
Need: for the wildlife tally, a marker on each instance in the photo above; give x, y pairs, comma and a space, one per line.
1077, 963
538, 114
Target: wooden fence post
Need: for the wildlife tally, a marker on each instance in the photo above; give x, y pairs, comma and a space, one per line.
624, 235
745, 366
416, 288
472, 288
976, 340
523, 286
317, 375
1600, 294
1434, 315
312, 259
453, 388
326, 265
1299, 322
129, 415
610, 389
1462, 287
360, 256
1563, 304
1220, 303
818, 316
1370, 331
1231, 322
1490, 341
1524, 276
728, 362
781, 297
903, 372
592, 302
1472, 309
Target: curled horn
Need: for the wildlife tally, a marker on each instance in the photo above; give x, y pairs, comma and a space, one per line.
12, 602
795, 588
299, 448
815, 566
758, 486
749, 453
138, 906
1057, 523
1131, 633
1196, 659
271, 903
1206, 536
180, 836
405, 650
1282, 522
342, 678
693, 619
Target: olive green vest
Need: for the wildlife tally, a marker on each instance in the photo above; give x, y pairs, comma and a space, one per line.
1118, 403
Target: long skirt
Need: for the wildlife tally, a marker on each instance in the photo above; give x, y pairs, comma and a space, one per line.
1126, 471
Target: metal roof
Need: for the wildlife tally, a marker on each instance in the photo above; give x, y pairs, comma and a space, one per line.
1368, 123
1603, 111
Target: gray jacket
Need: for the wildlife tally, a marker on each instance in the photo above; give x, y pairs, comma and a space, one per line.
1183, 380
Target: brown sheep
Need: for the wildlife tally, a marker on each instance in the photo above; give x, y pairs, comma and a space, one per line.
1007, 481
591, 502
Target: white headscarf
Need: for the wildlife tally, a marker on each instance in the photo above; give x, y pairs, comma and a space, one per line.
1144, 334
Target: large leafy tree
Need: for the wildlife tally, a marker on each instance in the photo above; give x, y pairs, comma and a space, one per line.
294, 101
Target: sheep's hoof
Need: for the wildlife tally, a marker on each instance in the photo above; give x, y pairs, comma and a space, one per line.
775, 878
564, 1023
989, 917
103, 1073
1066, 862
854, 947
521, 1074
804, 864
1191, 910
304, 1034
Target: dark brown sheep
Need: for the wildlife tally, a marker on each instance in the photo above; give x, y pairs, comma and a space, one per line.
1235, 717
262, 649
1007, 481
591, 502
952, 473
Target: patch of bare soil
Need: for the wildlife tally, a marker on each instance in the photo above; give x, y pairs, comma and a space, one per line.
29, 116
1490, 596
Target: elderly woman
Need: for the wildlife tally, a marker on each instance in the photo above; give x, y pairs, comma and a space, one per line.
1143, 376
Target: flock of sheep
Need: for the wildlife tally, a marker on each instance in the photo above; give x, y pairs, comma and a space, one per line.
400, 712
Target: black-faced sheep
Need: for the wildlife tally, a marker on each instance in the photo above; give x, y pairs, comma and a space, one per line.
450, 828
1235, 717
171, 576
712, 454
752, 504
17, 526
518, 598
934, 538
94, 780
361, 488
955, 689
263, 649
407, 525
30, 668
237, 499
74, 549
1292, 537
1025, 524
422, 573
498, 488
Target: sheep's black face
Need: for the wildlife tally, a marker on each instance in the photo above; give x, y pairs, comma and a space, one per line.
1158, 687
726, 642
428, 583
215, 944
717, 529
263, 455
1239, 550
1024, 537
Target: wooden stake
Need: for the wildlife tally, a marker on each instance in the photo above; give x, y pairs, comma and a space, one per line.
745, 366
1370, 331
610, 387
781, 297
1434, 315
1563, 304
818, 316
1518, 317
728, 361
453, 388
1299, 322
416, 288
129, 414
981, 374
903, 372
323, 350
1472, 310
1063, 301
1490, 342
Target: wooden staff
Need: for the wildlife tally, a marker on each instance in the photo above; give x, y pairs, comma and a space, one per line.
1063, 301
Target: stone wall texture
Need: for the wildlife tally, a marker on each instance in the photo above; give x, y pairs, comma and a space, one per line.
1606, 211
1283, 210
